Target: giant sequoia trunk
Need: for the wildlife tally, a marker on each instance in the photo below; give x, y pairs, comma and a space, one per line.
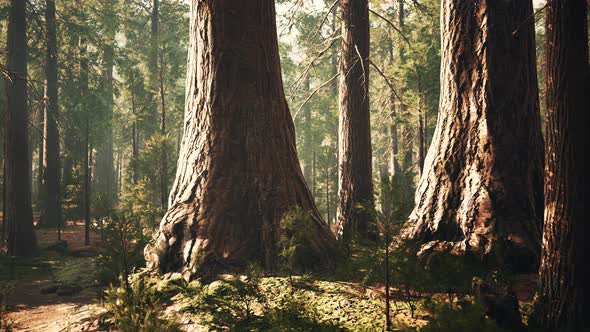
354, 132
19, 213
238, 172
51, 171
481, 190
563, 303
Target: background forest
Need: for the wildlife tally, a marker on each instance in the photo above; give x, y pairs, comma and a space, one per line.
109, 109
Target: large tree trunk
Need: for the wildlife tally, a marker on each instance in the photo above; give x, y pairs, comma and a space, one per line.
354, 134
51, 170
563, 302
238, 172
481, 190
19, 213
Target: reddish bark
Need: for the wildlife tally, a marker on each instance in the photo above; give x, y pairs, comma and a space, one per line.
238, 172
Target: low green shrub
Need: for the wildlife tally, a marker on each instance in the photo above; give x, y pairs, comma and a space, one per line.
241, 304
121, 250
138, 306
464, 317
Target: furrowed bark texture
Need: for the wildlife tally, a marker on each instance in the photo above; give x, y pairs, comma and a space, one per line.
481, 190
19, 213
355, 184
51, 170
238, 172
563, 302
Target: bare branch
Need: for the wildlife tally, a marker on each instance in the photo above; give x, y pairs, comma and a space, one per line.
394, 27
313, 93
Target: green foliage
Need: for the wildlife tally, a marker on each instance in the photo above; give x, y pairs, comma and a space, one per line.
142, 199
136, 307
121, 250
451, 275
223, 303
6, 324
77, 271
295, 314
247, 304
295, 254
465, 317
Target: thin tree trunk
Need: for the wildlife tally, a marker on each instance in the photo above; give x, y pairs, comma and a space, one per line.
40, 186
51, 169
4, 184
313, 174
164, 156
153, 86
104, 184
87, 143
563, 302
355, 184
19, 212
3, 155
120, 181
329, 220
481, 190
393, 130
406, 131
238, 172
307, 147
134, 140
87, 175
421, 129
387, 295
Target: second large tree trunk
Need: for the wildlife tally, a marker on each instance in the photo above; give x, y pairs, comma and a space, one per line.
354, 134
19, 212
563, 303
481, 190
238, 172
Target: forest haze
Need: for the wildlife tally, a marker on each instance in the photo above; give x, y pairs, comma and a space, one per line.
294, 165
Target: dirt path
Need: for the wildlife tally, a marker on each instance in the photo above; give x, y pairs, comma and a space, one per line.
38, 312
29, 309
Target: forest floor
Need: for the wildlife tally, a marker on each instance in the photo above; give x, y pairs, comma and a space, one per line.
26, 284
32, 306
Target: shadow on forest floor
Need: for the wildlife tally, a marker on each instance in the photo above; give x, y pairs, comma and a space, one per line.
31, 303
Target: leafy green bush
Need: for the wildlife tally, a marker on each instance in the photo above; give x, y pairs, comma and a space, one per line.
465, 317
241, 304
295, 254
122, 248
294, 314
223, 303
137, 306
77, 271
142, 198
